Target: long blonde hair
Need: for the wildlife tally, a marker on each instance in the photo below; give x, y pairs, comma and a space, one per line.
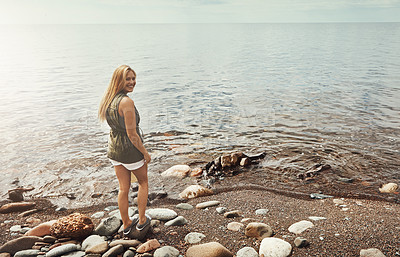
116, 85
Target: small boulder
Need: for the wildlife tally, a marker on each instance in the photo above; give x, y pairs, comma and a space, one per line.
75, 226
17, 207
194, 191
300, 226
232, 214
108, 226
41, 229
247, 252
92, 241
179, 171
212, 249
162, 214
389, 188
15, 195
148, 246
166, 251
226, 161
178, 221
274, 247
258, 230
235, 226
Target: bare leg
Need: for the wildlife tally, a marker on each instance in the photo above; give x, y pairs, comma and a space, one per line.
124, 180
143, 192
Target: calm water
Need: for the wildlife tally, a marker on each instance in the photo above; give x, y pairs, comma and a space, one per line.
297, 91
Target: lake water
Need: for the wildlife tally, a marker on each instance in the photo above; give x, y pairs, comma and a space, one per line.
303, 93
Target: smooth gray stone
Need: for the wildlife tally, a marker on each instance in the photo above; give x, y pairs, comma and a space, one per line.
61, 250
184, 206
108, 226
162, 214
27, 253
74, 254
247, 252
178, 221
91, 241
114, 251
19, 244
166, 251
129, 253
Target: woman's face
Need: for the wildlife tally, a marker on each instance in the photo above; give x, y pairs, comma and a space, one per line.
130, 82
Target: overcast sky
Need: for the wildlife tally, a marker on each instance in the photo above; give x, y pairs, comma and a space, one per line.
196, 11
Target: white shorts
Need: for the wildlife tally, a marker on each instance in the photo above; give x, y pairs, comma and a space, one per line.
129, 166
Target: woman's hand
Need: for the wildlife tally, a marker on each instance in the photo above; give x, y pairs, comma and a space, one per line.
147, 158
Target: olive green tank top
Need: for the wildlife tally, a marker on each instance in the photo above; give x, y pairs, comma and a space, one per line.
120, 147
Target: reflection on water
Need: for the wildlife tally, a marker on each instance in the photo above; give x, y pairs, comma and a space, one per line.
303, 93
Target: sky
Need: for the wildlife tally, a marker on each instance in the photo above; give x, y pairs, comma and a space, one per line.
196, 11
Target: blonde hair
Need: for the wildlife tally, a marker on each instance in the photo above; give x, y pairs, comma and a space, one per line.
116, 85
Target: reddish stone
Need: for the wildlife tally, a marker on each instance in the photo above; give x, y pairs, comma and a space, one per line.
41, 230
16, 207
75, 226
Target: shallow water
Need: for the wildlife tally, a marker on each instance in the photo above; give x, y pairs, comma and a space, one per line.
303, 93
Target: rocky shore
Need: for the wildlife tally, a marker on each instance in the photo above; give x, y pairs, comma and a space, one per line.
233, 223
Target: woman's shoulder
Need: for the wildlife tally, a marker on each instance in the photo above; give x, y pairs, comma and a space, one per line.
126, 101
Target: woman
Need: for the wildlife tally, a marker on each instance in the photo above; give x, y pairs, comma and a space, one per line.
125, 147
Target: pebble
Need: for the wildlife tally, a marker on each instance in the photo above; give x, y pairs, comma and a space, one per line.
178, 221
389, 188
16, 207
301, 242
114, 251
232, 214
129, 253
258, 230
319, 196
16, 228
27, 253
208, 204
60, 250
108, 226
212, 249
338, 201
194, 191
125, 243
162, 214
315, 218
184, 206
262, 212
221, 210
247, 252
300, 226
148, 246
99, 248
194, 237
274, 247
166, 251
371, 252
98, 215
91, 241
235, 226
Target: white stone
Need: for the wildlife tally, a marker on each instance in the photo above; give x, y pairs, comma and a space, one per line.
315, 218
166, 251
180, 171
221, 210
247, 252
300, 226
194, 191
91, 241
274, 247
162, 214
262, 212
389, 188
372, 252
194, 237
204, 205
16, 228
235, 226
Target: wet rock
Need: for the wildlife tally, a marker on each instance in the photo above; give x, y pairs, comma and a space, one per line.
258, 230
114, 251
389, 188
98, 215
262, 212
125, 243
17, 207
232, 214
300, 226
41, 229
301, 242
162, 214
245, 162
247, 252
184, 206
19, 244
212, 249
207, 204
27, 253
179, 171
178, 221
194, 237
194, 191
75, 226
372, 252
196, 172
108, 226
274, 247
235, 226
148, 246
166, 251
61, 250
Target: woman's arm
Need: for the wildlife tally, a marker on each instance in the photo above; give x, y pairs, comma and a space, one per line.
127, 110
